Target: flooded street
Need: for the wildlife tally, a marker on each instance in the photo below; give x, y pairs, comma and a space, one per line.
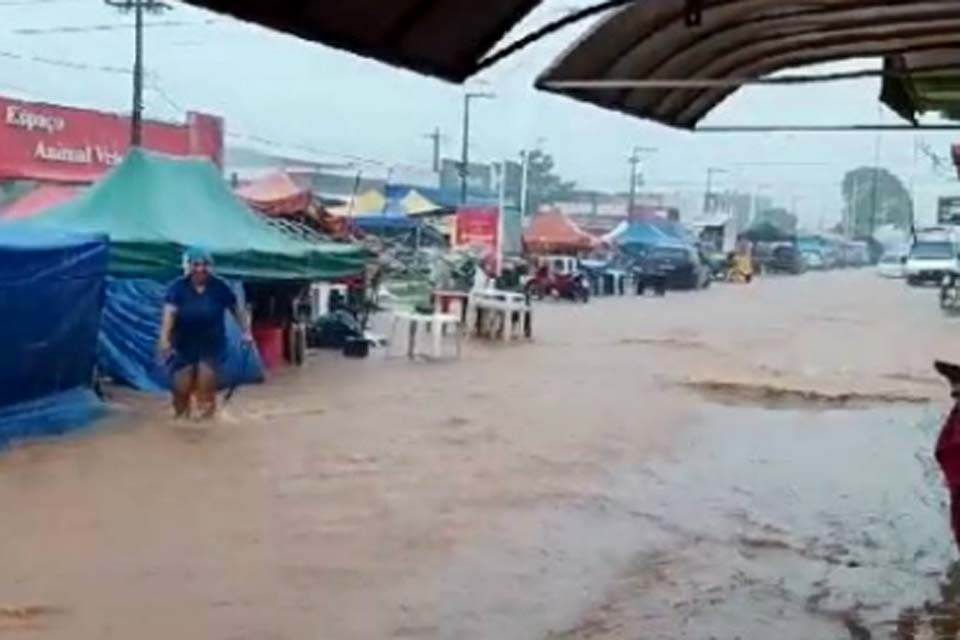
746, 462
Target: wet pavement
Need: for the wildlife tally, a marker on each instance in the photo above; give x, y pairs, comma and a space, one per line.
746, 462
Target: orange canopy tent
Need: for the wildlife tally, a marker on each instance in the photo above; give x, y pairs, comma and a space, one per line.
554, 232
40, 199
276, 195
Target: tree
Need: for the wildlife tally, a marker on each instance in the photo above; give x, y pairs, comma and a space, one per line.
544, 185
780, 218
875, 197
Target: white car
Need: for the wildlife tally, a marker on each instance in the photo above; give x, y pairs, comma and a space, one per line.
930, 260
892, 266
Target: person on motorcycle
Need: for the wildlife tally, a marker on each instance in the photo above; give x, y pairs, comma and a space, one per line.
742, 267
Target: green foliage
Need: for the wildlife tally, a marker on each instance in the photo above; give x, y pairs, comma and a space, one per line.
780, 218
545, 186
875, 197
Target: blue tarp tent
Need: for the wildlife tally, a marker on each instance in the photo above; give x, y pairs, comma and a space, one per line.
131, 325
646, 234
446, 198
675, 230
385, 222
51, 297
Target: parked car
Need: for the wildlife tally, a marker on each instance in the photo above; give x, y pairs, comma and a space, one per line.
892, 266
815, 252
930, 260
682, 266
786, 258
813, 259
854, 254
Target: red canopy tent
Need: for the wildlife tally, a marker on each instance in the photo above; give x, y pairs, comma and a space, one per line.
41, 198
276, 195
554, 232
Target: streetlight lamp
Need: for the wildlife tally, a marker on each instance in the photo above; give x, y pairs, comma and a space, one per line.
465, 155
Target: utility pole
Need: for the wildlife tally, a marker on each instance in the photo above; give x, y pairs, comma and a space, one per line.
502, 207
138, 7
435, 137
852, 209
634, 164
707, 197
524, 183
465, 152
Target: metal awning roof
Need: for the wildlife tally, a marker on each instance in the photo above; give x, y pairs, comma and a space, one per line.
924, 81
654, 60
445, 38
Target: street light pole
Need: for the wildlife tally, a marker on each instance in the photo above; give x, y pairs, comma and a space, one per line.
634, 163
465, 152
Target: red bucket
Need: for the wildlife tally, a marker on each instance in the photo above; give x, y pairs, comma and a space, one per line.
269, 339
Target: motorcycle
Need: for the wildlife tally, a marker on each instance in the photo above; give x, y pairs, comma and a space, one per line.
950, 293
566, 286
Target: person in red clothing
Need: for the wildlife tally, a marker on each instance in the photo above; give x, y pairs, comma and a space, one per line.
947, 450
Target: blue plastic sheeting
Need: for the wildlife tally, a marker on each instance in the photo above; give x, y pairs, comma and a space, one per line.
51, 415
51, 295
446, 198
385, 223
128, 341
648, 234
675, 230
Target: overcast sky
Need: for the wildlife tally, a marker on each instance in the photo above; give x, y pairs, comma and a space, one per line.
344, 107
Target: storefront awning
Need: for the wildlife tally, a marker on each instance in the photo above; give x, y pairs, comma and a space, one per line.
924, 82
674, 61
445, 38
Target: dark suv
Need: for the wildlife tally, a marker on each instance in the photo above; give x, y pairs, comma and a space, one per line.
681, 265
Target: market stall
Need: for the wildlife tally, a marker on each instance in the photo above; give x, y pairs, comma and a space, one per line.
553, 232
276, 194
152, 207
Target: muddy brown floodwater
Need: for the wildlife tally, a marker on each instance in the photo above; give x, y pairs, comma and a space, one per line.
746, 462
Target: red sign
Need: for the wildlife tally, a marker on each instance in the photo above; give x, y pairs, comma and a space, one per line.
477, 227
64, 144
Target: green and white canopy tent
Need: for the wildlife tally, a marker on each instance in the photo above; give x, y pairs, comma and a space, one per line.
153, 206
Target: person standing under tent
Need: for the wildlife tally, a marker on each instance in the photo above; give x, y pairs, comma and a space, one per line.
193, 334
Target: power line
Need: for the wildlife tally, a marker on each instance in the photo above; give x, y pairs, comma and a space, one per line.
29, 3
155, 86
65, 64
170, 101
28, 31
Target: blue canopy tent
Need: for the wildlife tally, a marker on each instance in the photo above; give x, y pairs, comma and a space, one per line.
640, 234
675, 230
444, 198
412, 230
51, 298
386, 222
